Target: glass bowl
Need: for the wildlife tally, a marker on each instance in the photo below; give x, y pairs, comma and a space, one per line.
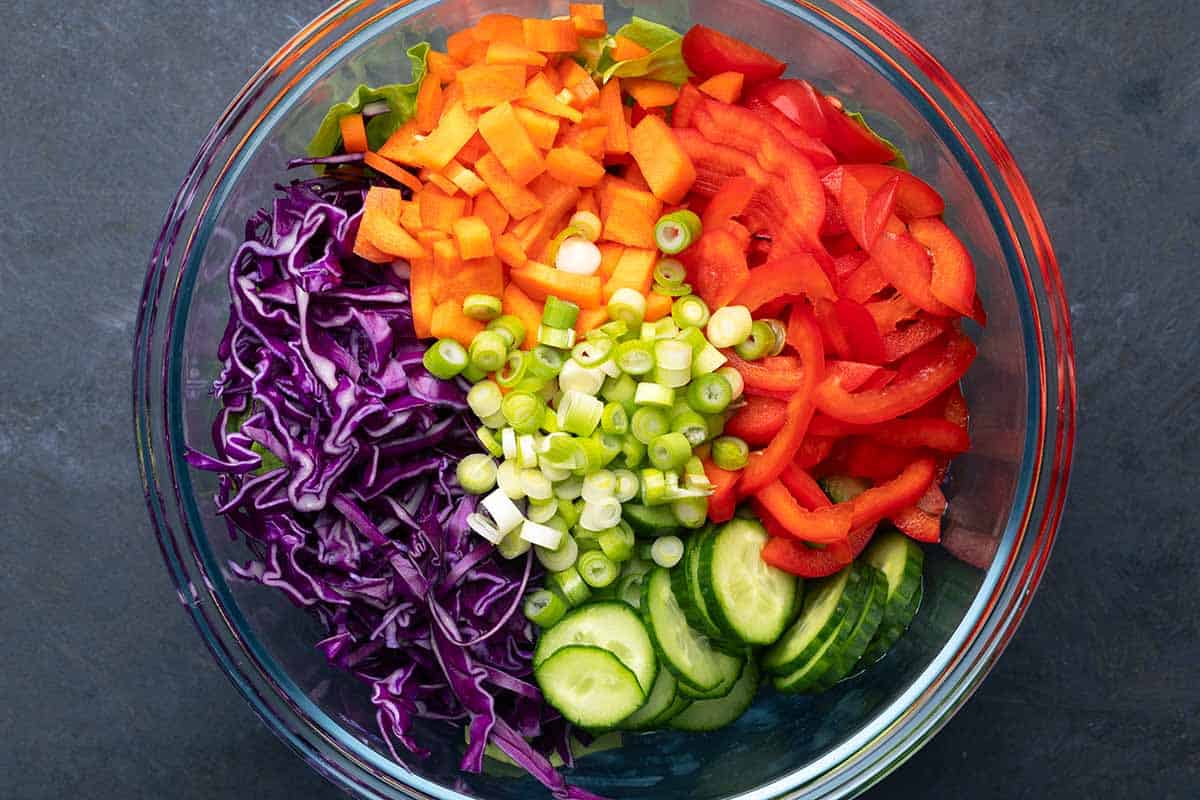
1007, 492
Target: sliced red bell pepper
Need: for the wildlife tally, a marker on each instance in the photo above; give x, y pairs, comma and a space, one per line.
717, 267
795, 558
880, 379
934, 434
788, 277
945, 363
804, 488
709, 52
907, 266
917, 524
864, 457
715, 163
795, 99
821, 526
850, 140
933, 501
866, 213
825, 425
853, 375
834, 223
689, 100
847, 262
832, 334
890, 313
915, 199
757, 376
953, 279
912, 337
758, 421
813, 148
723, 501
730, 201
861, 331
900, 492
812, 451
863, 283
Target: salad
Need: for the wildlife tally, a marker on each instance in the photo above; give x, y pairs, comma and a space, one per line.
595, 383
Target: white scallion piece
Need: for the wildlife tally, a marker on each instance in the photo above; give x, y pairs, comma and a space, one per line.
541, 535
503, 511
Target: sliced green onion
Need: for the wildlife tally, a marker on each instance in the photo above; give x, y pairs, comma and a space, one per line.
510, 327
548, 539
472, 374
599, 486
549, 421
730, 452
576, 377
560, 314
669, 451
483, 307
654, 487
610, 443
694, 466
508, 443
484, 527
693, 427
568, 583
587, 224
512, 545
675, 232
737, 383
597, 569
503, 512
633, 451
579, 413
616, 329
691, 511
561, 338
484, 398
554, 473
544, 608
716, 425
495, 421
489, 349
593, 352
628, 306
707, 359
614, 419
665, 328
654, 394
595, 455
542, 510
672, 378
669, 272
666, 551
601, 514
568, 512
629, 589
620, 390
476, 473
489, 441
577, 256
569, 489
682, 290
690, 312
780, 331
536, 485
508, 478
710, 394
673, 354
729, 326
636, 357
617, 542
545, 362
760, 342
648, 424
445, 359
513, 371
523, 411
628, 485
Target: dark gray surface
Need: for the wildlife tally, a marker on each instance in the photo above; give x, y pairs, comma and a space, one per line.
107, 691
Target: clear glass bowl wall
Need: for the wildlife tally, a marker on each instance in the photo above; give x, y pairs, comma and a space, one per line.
1006, 493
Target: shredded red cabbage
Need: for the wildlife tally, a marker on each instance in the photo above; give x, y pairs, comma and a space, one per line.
336, 452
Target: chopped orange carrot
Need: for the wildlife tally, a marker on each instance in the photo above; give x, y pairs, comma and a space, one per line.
439, 210
650, 93
442, 182
455, 129
590, 319
478, 276
634, 270
488, 208
539, 282
617, 140
540, 95
588, 28
524, 308
587, 10
463, 46
410, 216
354, 133
550, 74
446, 264
570, 73
587, 202
472, 150
726, 86
518, 201
634, 177
385, 200
387, 235
451, 94
429, 105
585, 94
550, 35
474, 238
558, 199
510, 143
487, 85
588, 140
510, 251
509, 53
593, 118
364, 249
657, 306
521, 227
574, 167
397, 173
401, 145
441, 66
610, 254
420, 277
542, 128
470, 183
429, 237
505, 28
664, 163
449, 322
629, 213
626, 49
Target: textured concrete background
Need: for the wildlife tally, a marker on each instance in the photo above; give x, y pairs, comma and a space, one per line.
106, 690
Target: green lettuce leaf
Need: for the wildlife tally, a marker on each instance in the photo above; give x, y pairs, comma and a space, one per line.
665, 62
400, 97
899, 162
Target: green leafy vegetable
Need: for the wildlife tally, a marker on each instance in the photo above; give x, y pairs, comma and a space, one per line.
665, 62
899, 162
400, 97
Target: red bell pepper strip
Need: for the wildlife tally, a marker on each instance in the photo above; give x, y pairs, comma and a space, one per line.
907, 266
790, 276
866, 344
934, 434
847, 257
880, 379
942, 366
723, 501
825, 425
689, 100
910, 338
933, 501
821, 526
853, 375
717, 267
804, 488
813, 148
890, 313
888, 498
915, 199
715, 163
758, 376
849, 139
709, 52
953, 280
730, 201
863, 283
795, 99
834, 223
917, 524
812, 451
795, 558
866, 213
758, 421
831, 330
866, 458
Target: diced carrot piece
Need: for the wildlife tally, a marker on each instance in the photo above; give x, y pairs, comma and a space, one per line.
588, 140
451, 94
365, 250
587, 202
446, 264
510, 251
466, 180
488, 209
551, 76
387, 235
590, 319
593, 118
540, 281
474, 238
574, 167
634, 177
445, 184
510, 143
397, 173
634, 270
558, 200
726, 86
587, 10
664, 163
585, 94
478, 276
509, 53
570, 73
385, 200
410, 216
610, 255
463, 46
473, 150
429, 105
420, 291
626, 49
524, 308
518, 201
505, 28
540, 96
629, 214
657, 306
401, 145
455, 129
354, 133
586, 28
488, 85
617, 138
429, 237
542, 128
550, 35
650, 93
441, 66
439, 210
449, 322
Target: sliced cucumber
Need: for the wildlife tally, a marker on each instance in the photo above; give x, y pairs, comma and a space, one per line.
742, 593
708, 715
650, 520
887, 636
673, 711
610, 625
685, 583
901, 561
842, 661
842, 488
661, 698
728, 680
828, 603
589, 686
682, 650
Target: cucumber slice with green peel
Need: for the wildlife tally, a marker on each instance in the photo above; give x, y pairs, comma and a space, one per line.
650, 520
658, 702
610, 625
842, 488
708, 715
675, 710
841, 662
888, 635
742, 593
683, 650
901, 561
685, 584
589, 686
728, 680
828, 602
